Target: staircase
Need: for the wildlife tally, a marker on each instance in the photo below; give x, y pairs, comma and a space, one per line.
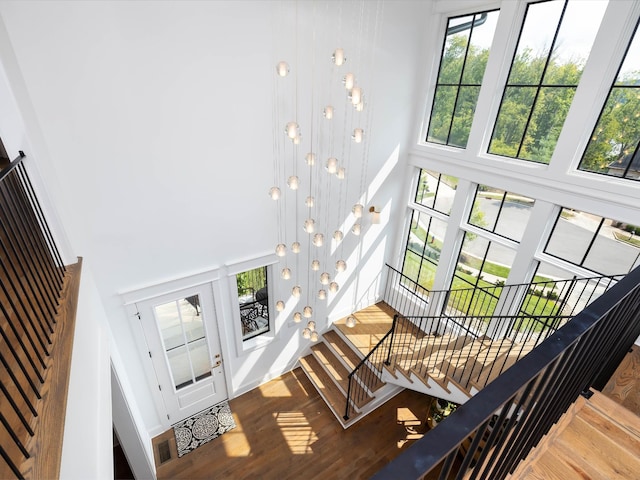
595, 438
338, 353
480, 333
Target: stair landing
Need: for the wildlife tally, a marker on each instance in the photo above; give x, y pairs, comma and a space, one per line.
372, 323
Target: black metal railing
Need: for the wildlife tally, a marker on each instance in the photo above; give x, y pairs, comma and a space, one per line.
410, 298
496, 429
433, 328
31, 281
367, 373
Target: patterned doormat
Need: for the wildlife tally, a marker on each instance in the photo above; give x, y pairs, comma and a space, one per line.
203, 427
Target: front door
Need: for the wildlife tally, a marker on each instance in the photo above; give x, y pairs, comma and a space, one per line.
184, 346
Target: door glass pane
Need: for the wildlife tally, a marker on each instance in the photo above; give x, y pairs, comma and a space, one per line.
179, 365
199, 354
191, 318
169, 325
183, 335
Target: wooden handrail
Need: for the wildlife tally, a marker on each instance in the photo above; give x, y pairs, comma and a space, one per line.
45, 446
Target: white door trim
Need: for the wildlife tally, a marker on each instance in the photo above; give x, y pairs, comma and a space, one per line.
209, 280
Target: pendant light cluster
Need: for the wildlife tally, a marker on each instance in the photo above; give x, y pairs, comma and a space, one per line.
299, 165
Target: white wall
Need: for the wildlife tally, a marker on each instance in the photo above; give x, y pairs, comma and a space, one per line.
152, 121
87, 448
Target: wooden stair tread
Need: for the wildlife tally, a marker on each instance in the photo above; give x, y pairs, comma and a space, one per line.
622, 416
471, 368
350, 357
580, 441
332, 395
340, 374
550, 467
587, 442
471, 349
624, 385
501, 364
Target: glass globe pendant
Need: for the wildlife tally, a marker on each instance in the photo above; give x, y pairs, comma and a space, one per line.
315, 265
355, 96
291, 130
318, 239
282, 68
338, 235
325, 278
358, 133
341, 266
314, 336
349, 81
296, 291
279, 305
307, 311
356, 229
328, 112
332, 165
309, 225
281, 250
351, 321
293, 182
306, 333
297, 317
286, 273
310, 158
295, 247
333, 287
357, 210
338, 57
274, 193
322, 294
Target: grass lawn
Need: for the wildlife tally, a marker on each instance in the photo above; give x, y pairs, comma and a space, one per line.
627, 238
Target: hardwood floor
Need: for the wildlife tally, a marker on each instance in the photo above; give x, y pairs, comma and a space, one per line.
285, 431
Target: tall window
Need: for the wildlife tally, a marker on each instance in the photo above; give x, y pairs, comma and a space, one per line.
481, 263
485, 259
423, 249
424, 243
253, 298
554, 43
613, 147
598, 244
462, 66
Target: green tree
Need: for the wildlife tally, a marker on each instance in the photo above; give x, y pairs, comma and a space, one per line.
618, 129
457, 91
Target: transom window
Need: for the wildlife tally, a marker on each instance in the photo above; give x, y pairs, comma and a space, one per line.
554, 43
253, 299
462, 66
613, 147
